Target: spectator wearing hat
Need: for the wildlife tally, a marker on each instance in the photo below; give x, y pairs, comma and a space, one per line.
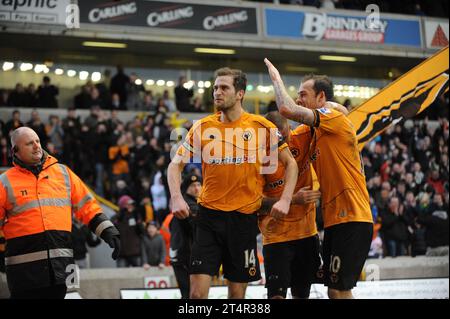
153, 246
182, 234
130, 226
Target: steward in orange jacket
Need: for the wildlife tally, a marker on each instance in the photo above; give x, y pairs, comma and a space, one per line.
37, 199
2, 252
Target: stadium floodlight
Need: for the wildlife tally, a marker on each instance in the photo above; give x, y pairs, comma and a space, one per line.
214, 51
200, 84
38, 68
207, 84
150, 82
96, 76
170, 83
83, 75
7, 66
26, 67
138, 81
112, 45
71, 73
337, 58
264, 89
160, 82
201, 91
59, 71
188, 85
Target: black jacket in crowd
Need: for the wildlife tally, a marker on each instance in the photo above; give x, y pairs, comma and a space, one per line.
182, 234
131, 230
47, 96
182, 98
394, 227
81, 235
437, 232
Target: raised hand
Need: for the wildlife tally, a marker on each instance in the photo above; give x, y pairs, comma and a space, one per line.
273, 72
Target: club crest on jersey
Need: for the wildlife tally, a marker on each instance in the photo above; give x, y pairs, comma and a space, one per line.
247, 136
295, 152
324, 110
334, 278
314, 155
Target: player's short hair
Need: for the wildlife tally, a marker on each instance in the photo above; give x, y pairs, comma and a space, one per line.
321, 83
239, 77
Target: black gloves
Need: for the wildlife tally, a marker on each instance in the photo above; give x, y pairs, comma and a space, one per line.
103, 228
111, 236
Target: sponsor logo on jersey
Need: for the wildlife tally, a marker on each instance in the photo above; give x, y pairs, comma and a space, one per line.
324, 110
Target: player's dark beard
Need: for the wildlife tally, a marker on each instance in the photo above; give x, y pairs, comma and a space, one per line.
226, 105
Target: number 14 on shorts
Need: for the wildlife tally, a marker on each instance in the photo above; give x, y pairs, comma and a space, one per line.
250, 258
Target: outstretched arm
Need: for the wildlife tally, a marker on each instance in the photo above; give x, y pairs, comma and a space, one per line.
286, 105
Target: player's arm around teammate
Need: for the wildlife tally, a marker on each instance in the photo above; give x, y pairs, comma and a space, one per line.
304, 195
281, 207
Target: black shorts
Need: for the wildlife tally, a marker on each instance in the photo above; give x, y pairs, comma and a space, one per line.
292, 264
345, 249
227, 238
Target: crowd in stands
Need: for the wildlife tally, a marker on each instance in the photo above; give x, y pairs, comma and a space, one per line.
407, 172
437, 8
44, 96
120, 92
123, 162
126, 162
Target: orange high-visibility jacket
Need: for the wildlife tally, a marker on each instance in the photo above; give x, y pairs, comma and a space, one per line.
36, 218
2, 242
2, 252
